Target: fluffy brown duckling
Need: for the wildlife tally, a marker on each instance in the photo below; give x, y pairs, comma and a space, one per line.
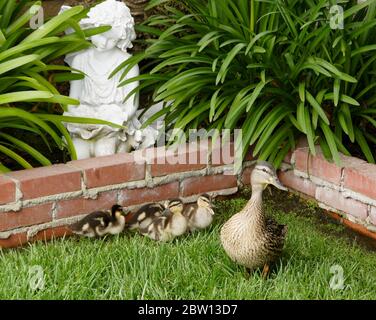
168, 226
200, 214
143, 217
101, 223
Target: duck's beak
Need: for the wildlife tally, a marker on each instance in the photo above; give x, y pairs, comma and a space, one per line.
278, 184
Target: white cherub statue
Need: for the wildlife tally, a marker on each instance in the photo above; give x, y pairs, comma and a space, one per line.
100, 96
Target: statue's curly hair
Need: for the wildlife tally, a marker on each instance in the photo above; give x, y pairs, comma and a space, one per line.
116, 14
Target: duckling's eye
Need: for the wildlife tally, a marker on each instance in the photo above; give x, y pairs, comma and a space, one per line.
264, 170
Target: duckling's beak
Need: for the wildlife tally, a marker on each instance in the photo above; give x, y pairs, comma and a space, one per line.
275, 182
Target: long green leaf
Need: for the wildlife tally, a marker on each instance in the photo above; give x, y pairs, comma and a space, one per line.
54, 23
360, 139
29, 149
26, 116
24, 96
226, 63
312, 101
15, 157
330, 139
17, 62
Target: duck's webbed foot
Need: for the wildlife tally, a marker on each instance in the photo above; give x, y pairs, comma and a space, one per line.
265, 271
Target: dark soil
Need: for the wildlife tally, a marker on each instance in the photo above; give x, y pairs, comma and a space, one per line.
55, 155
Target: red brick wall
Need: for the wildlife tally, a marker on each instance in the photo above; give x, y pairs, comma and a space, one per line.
39, 203
349, 189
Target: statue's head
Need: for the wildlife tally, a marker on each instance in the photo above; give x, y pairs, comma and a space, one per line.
116, 14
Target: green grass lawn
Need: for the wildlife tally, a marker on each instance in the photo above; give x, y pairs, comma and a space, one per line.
195, 266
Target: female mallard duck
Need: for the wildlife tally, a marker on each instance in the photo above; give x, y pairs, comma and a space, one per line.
168, 226
101, 223
199, 214
249, 238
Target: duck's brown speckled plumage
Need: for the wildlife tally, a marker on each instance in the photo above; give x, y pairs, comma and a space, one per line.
251, 239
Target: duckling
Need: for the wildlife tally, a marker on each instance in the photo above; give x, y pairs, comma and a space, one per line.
100, 223
117, 221
168, 226
200, 214
249, 238
143, 217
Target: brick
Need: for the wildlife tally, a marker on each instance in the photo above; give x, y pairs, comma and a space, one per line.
7, 190
359, 228
21, 239
199, 185
336, 200
15, 240
301, 143
372, 215
319, 167
352, 225
146, 195
189, 157
246, 176
26, 217
290, 180
76, 207
46, 181
222, 153
301, 159
110, 170
361, 178
52, 233
288, 157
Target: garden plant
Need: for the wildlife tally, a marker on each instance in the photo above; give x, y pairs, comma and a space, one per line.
30, 103
275, 69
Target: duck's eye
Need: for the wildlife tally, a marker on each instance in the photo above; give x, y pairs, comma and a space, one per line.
264, 170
